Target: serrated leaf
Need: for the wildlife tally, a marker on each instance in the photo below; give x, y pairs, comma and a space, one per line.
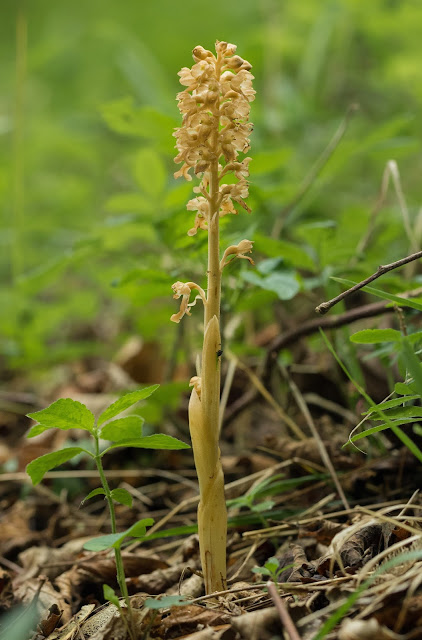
110, 595
39, 467
376, 336
122, 429
122, 496
96, 492
65, 414
158, 441
125, 402
150, 172
115, 540
165, 602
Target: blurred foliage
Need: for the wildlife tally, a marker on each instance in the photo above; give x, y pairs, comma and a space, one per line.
94, 225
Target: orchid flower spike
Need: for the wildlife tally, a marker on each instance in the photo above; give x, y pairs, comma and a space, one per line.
215, 106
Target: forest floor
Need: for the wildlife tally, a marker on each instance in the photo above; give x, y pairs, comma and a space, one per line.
337, 531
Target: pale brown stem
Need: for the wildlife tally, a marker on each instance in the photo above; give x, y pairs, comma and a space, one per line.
204, 411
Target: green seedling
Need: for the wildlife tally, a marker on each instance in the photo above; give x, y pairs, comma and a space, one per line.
250, 500
215, 105
68, 414
253, 497
271, 569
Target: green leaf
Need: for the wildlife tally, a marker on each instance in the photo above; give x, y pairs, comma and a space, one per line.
122, 496
63, 414
165, 602
110, 596
285, 285
115, 540
102, 542
262, 506
396, 402
376, 336
399, 412
150, 172
39, 467
96, 492
122, 429
272, 564
138, 529
158, 441
413, 365
125, 402
378, 428
414, 337
36, 430
261, 570
404, 388
403, 302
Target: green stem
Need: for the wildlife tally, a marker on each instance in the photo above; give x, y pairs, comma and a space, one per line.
120, 570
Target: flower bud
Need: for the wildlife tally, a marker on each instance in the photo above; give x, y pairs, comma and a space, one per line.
199, 53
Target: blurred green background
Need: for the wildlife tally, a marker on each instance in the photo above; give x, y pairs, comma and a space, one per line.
93, 231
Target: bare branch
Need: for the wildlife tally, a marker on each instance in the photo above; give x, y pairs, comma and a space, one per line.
326, 306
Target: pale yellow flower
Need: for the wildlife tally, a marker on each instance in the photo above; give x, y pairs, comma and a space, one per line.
201, 205
183, 290
215, 106
238, 250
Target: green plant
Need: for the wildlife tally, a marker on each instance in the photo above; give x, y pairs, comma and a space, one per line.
68, 414
215, 108
394, 413
345, 605
271, 569
251, 499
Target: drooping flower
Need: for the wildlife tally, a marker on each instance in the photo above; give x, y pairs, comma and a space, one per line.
238, 250
183, 290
